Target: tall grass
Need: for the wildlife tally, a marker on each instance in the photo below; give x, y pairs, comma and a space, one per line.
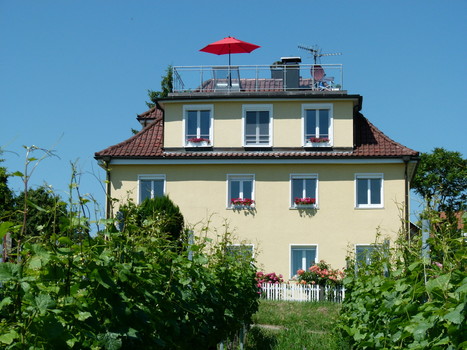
289, 325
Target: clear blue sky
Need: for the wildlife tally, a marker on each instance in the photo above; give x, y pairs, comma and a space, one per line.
74, 74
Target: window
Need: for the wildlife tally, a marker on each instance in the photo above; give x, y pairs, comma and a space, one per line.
317, 124
369, 190
304, 190
302, 257
198, 125
241, 250
363, 253
150, 186
240, 190
257, 125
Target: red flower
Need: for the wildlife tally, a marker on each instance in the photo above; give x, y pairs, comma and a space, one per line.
319, 139
305, 201
198, 140
242, 201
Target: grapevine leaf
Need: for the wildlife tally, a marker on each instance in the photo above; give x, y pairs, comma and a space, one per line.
456, 316
43, 302
83, 315
4, 228
8, 338
8, 271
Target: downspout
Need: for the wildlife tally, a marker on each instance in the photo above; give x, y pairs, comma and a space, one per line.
108, 202
108, 191
406, 160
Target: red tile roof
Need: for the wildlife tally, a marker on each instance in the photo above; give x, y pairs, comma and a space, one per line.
152, 114
369, 142
146, 143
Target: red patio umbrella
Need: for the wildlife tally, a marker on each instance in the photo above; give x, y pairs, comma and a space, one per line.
229, 45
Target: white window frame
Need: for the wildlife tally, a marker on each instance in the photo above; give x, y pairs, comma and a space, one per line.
368, 176
316, 106
304, 247
154, 177
242, 177
198, 108
304, 177
370, 247
257, 108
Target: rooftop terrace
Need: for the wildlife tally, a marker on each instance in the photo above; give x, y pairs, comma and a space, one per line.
287, 75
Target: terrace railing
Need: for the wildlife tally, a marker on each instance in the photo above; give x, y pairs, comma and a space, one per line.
287, 77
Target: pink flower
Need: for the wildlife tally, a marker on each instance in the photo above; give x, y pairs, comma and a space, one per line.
198, 139
242, 201
438, 264
304, 201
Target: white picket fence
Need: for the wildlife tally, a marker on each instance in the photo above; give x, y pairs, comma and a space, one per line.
302, 292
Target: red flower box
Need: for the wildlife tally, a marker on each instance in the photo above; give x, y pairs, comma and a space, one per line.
305, 201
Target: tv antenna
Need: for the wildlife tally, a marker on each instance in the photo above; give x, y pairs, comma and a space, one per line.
316, 52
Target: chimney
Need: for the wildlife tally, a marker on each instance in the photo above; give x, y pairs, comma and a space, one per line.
291, 72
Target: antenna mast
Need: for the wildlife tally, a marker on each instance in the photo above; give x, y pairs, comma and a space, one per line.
316, 52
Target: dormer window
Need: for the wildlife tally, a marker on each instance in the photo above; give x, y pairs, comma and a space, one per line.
198, 125
317, 125
257, 125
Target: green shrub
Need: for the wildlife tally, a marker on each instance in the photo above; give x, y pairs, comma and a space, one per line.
159, 209
401, 301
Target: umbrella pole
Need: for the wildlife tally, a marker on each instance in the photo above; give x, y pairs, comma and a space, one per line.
230, 76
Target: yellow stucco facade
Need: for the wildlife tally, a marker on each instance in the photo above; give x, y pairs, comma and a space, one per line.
287, 120
200, 189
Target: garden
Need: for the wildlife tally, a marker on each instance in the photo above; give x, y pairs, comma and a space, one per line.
144, 280
141, 281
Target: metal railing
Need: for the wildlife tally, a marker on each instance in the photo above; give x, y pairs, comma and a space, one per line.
282, 77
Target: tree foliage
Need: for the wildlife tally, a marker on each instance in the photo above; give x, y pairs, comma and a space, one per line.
6, 195
166, 88
441, 179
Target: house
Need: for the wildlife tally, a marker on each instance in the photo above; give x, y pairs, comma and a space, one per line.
280, 153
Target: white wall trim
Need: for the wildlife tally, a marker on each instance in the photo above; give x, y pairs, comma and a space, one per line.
328, 106
195, 107
150, 177
379, 176
303, 176
242, 177
301, 245
255, 108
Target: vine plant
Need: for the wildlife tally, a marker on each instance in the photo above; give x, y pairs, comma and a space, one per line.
128, 289
403, 300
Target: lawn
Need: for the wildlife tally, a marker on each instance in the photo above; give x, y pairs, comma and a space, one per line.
287, 325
